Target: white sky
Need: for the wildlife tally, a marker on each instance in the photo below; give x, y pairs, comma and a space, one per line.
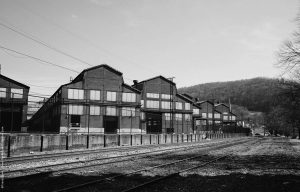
196, 41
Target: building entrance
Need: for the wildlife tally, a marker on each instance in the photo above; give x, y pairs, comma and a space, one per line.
154, 122
110, 124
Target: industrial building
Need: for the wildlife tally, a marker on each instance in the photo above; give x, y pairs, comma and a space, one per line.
96, 101
163, 110
13, 104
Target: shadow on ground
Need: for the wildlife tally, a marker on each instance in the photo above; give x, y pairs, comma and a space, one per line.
229, 183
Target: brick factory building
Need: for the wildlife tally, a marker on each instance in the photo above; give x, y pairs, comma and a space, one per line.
13, 104
96, 101
163, 110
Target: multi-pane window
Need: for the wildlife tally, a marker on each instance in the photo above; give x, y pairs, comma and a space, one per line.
75, 94
168, 116
198, 122
166, 96
153, 95
75, 109
111, 96
204, 115
165, 105
142, 103
2, 92
187, 117
178, 105
152, 104
217, 115
94, 95
187, 106
210, 115
142, 115
225, 117
196, 111
128, 111
17, 93
94, 110
178, 116
233, 118
111, 111
128, 97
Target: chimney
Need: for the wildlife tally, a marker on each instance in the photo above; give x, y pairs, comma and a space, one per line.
135, 82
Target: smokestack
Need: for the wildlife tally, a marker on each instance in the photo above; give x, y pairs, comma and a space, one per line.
135, 82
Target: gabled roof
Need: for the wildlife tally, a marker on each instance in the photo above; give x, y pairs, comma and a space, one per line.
79, 77
161, 77
188, 96
221, 104
131, 88
201, 102
184, 98
218, 111
13, 81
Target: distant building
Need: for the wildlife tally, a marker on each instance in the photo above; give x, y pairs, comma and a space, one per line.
13, 104
163, 110
207, 112
33, 108
96, 101
229, 118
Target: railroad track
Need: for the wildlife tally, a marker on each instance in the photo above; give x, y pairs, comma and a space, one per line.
74, 153
60, 167
114, 178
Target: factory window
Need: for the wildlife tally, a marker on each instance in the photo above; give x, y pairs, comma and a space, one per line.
187, 117
128, 111
17, 93
187, 106
217, 115
178, 105
142, 103
75, 109
75, 94
152, 104
111, 96
2, 92
166, 96
178, 116
128, 97
196, 111
168, 116
204, 115
75, 121
153, 95
142, 115
165, 105
111, 111
94, 95
94, 110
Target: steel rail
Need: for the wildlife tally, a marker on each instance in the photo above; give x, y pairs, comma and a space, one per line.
193, 145
108, 179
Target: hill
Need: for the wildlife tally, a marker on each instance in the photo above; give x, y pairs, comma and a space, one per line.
255, 94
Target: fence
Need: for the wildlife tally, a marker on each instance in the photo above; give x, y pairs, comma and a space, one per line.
26, 144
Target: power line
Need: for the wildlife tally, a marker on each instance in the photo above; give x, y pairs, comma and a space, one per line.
82, 38
35, 58
43, 43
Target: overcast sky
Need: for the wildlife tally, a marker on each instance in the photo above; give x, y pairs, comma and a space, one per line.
195, 41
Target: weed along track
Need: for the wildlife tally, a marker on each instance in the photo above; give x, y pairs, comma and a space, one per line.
123, 156
110, 177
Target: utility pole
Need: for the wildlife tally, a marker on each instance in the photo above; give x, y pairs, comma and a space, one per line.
171, 105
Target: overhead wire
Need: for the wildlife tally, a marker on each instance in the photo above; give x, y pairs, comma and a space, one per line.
38, 59
29, 36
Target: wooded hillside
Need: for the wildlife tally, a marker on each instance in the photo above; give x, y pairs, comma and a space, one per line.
255, 94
